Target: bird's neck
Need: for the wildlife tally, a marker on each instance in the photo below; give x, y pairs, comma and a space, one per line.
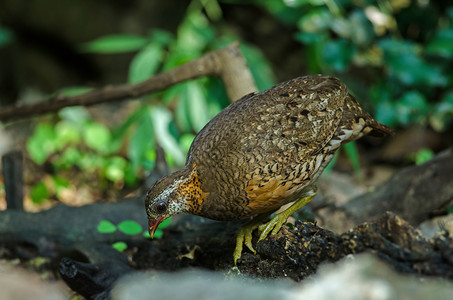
189, 189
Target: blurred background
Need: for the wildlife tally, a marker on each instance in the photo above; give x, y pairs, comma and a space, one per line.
396, 57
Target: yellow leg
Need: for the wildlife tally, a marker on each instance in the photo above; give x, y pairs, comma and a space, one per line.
244, 236
278, 220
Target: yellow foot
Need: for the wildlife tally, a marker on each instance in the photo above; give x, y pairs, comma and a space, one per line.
274, 225
244, 236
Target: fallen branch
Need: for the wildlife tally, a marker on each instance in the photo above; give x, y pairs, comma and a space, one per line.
412, 193
226, 63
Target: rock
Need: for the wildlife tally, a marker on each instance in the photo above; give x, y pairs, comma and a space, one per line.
196, 285
21, 285
355, 277
366, 277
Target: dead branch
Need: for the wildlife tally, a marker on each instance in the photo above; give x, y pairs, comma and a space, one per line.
226, 63
412, 193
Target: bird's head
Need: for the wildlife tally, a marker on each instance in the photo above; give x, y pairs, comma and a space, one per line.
164, 200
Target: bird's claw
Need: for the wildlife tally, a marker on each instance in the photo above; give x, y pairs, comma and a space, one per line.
244, 237
273, 225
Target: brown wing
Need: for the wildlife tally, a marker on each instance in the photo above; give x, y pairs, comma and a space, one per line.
255, 152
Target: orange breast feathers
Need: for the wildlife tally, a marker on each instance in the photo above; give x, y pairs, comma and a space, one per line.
269, 195
190, 189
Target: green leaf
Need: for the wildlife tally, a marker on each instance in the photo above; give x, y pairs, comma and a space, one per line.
194, 34
146, 234
141, 140
116, 168
412, 107
106, 227
406, 64
42, 143
120, 246
443, 113
130, 227
39, 193
97, 136
315, 20
381, 95
119, 132
67, 133
115, 43
186, 141
423, 155
182, 109
60, 184
198, 107
441, 44
162, 37
75, 114
338, 54
162, 119
158, 234
330, 166
353, 156
361, 29
145, 63
90, 161
70, 157
310, 37
165, 223
259, 67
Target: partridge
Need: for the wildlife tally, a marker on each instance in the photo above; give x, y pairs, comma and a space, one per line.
263, 151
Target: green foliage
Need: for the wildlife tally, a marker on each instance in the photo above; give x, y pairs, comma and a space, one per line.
402, 48
184, 109
76, 140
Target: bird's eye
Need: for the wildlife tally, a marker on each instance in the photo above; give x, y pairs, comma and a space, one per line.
160, 207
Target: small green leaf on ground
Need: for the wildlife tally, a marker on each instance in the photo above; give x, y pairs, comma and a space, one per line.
106, 227
423, 155
158, 234
120, 246
165, 223
39, 193
130, 227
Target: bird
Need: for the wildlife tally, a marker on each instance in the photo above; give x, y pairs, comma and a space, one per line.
261, 152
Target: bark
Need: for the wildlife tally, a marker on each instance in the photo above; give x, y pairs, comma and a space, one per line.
413, 193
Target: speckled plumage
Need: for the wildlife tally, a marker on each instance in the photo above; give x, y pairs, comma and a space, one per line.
265, 150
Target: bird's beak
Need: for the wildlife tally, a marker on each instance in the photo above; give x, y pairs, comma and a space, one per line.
153, 224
